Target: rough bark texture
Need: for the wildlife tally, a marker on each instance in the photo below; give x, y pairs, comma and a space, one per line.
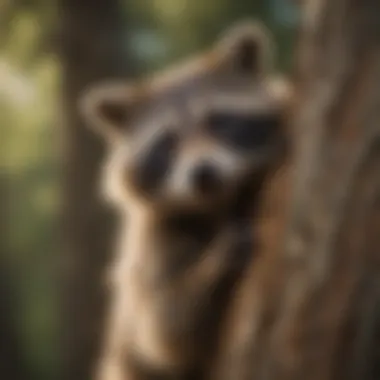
328, 315
312, 310
91, 50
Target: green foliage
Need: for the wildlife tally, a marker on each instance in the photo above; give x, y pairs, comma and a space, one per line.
159, 31
28, 103
179, 27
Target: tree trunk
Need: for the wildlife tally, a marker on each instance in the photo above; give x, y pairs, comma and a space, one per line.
329, 313
92, 49
311, 309
326, 325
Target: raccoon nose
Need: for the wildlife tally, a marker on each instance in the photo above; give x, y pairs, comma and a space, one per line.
205, 179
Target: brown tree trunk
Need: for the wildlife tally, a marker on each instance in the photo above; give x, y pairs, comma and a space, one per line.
311, 309
326, 325
327, 320
92, 49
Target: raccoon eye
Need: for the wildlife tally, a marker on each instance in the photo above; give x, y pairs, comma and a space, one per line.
243, 131
152, 169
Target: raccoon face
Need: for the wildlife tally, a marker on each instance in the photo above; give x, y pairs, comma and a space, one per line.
187, 138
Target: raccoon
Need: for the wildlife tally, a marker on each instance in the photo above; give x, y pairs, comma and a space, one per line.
188, 152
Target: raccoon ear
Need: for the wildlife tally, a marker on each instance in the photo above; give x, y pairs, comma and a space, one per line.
247, 48
107, 108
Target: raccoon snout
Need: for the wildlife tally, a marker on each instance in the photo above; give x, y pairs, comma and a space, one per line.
205, 179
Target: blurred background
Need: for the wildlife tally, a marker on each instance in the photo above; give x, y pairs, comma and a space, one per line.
55, 232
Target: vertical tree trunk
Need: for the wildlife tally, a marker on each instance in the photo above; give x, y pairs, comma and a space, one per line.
311, 309
329, 314
92, 49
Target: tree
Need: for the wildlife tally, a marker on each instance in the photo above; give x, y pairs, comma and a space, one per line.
331, 297
91, 49
314, 306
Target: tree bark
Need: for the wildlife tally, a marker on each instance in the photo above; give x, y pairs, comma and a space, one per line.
91, 49
331, 296
310, 308
325, 325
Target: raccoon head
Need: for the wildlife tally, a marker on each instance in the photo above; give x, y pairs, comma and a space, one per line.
187, 138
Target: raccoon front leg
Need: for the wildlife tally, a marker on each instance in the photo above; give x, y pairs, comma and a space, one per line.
111, 369
210, 268
226, 256
113, 365
194, 287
